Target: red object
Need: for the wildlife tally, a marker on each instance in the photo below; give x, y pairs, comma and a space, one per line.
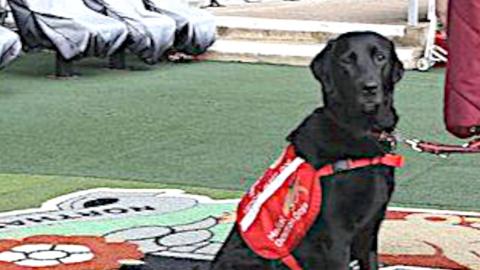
472, 147
462, 89
279, 209
105, 255
441, 40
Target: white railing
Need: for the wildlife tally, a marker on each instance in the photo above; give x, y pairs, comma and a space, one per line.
413, 12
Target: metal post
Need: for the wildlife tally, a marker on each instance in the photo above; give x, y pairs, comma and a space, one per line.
63, 67
413, 12
117, 60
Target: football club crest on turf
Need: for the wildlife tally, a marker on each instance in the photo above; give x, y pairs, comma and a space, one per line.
168, 229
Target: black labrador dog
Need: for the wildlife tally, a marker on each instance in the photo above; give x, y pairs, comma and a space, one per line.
357, 71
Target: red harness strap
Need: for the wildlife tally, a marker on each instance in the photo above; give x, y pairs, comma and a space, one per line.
279, 209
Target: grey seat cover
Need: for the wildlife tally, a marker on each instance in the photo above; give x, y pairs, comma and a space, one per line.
196, 29
10, 46
67, 26
150, 34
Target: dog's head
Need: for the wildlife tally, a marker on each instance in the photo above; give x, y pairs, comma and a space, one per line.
358, 71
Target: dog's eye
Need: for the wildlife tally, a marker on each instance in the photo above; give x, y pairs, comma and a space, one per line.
380, 57
349, 59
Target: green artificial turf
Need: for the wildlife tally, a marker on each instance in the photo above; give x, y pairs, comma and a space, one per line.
212, 125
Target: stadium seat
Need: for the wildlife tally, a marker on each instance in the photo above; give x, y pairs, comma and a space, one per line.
150, 34
10, 46
68, 27
196, 28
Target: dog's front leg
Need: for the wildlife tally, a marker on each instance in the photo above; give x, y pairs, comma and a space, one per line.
367, 257
364, 249
331, 254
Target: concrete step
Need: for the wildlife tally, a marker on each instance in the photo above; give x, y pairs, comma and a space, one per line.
308, 31
195, 3
284, 53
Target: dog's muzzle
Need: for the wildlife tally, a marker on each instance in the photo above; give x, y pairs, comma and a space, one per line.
371, 108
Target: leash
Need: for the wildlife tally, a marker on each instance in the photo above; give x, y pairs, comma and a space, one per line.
439, 149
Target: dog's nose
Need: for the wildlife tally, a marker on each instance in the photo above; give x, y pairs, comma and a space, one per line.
370, 88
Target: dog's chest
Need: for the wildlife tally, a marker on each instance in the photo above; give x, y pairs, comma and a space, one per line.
357, 196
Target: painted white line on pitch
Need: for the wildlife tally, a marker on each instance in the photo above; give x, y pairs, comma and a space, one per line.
434, 211
51, 205
402, 267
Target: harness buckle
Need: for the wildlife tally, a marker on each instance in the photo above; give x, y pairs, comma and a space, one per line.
341, 165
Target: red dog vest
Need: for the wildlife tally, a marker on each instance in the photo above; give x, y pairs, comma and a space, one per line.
282, 205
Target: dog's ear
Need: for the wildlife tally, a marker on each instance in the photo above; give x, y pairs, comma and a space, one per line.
320, 67
397, 66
